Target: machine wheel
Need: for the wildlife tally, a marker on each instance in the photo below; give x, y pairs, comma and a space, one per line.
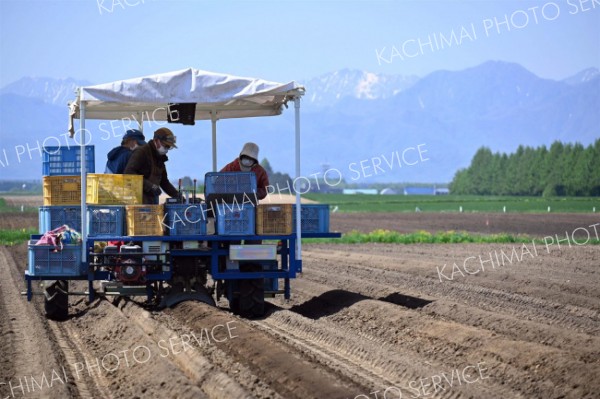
56, 301
251, 302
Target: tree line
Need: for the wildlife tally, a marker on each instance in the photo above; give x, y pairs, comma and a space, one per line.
561, 170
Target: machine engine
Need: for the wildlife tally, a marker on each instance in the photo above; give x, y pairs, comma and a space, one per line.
128, 266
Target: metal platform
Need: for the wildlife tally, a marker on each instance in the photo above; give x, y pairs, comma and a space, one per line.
289, 266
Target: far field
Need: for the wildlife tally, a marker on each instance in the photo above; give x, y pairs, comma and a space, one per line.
403, 203
452, 203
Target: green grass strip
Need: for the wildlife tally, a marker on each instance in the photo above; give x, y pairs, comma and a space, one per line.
13, 237
425, 237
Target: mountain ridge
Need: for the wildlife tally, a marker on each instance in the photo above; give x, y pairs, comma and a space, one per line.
497, 104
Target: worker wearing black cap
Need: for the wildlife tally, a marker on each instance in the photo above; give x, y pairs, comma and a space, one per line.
149, 161
118, 157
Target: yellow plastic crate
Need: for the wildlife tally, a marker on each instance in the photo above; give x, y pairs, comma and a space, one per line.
62, 190
274, 219
144, 220
107, 189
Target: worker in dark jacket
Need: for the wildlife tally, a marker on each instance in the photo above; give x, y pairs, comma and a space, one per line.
149, 161
119, 156
248, 162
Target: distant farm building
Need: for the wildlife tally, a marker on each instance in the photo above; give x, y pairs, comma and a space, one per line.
388, 191
419, 191
426, 191
369, 191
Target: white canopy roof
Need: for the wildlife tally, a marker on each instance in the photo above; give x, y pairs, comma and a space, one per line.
221, 95
217, 96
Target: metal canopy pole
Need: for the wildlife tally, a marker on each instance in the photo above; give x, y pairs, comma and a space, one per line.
213, 119
83, 181
140, 121
298, 210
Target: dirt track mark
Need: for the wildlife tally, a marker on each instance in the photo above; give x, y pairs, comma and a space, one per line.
214, 382
358, 353
367, 276
332, 348
440, 342
27, 345
433, 327
283, 368
131, 362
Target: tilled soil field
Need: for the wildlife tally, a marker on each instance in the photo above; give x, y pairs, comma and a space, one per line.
365, 321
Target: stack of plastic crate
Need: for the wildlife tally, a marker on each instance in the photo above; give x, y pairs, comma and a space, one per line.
106, 196
231, 196
61, 169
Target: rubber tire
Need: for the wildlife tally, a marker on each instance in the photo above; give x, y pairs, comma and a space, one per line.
251, 302
57, 307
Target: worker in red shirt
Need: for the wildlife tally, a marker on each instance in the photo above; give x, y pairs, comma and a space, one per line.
248, 162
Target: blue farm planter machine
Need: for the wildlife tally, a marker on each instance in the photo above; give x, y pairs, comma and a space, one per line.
227, 245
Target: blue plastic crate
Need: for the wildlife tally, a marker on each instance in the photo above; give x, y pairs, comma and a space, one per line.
235, 219
315, 218
105, 220
229, 183
45, 260
185, 219
62, 160
51, 217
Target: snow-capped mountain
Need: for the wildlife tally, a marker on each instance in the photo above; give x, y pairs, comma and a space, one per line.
332, 87
351, 120
51, 91
582, 77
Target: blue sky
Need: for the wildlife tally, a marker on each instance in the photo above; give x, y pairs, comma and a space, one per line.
108, 40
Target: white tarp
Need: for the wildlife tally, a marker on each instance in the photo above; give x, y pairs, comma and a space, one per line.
217, 96
147, 97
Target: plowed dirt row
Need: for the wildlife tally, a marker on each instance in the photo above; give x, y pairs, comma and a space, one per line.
34, 350
365, 321
532, 342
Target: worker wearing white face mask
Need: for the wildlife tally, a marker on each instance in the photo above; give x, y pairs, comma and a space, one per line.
149, 161
248, 162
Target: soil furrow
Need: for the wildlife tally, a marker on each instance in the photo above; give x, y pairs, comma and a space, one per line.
394, 367
273, 361
369, 278
28, 369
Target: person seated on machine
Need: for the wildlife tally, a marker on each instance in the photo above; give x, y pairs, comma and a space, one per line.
247, 161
